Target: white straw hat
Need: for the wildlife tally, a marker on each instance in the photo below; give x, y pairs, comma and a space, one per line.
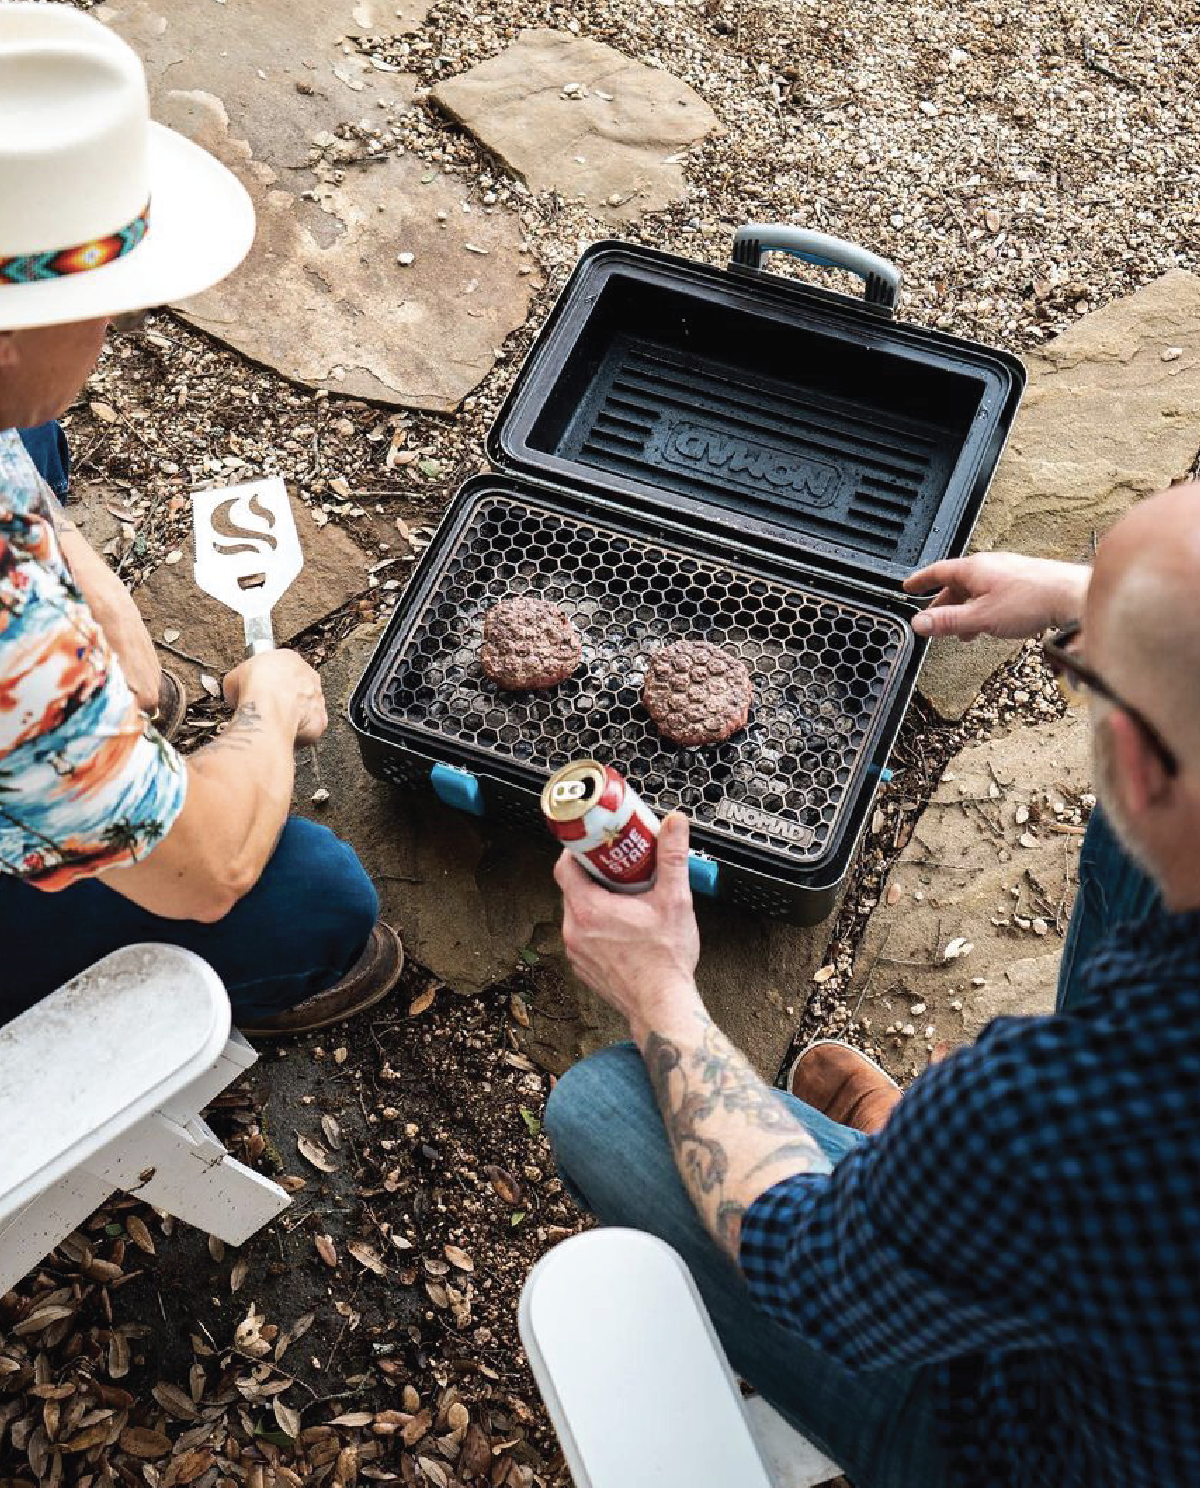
101, 211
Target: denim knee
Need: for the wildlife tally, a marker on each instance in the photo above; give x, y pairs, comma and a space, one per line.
334, 886
574, 1119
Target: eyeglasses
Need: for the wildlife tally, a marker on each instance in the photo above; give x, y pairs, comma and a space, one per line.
1075, 676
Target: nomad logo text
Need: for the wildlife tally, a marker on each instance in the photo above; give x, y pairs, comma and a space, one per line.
745, 462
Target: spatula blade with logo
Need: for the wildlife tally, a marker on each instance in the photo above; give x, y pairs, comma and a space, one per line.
247, 552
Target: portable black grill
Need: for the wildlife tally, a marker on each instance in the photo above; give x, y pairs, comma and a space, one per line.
725, 455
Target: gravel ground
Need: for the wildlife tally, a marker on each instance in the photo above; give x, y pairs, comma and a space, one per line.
1020, 170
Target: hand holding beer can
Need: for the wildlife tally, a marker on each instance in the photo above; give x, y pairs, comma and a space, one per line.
597, 815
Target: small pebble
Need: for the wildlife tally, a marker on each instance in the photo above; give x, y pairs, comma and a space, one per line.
405, 260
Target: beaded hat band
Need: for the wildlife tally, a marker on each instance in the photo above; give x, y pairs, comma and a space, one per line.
29, 268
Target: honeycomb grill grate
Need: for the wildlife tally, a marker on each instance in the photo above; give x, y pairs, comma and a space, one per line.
822, 669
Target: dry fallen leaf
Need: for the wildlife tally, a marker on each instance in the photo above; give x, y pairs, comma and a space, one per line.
293, 1334
210, 684
288, 1419
341, 1054
416, 1428
325, 1249
504, 1184
105, 412
216, 1249
353, 1418
139, 1234
518, 1009
333, 1132
140, 1442
314, 1153
459, 1258
174, 556
238, 1275
434, 1471
175, 1402
367, 1256
423, 1001
118, 1356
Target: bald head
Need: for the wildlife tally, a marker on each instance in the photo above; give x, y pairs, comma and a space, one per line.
1142, 622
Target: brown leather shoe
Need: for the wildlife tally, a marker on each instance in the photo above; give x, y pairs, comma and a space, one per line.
367, 982
843, 1084
172, 705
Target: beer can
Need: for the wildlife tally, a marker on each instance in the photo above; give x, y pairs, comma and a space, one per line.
595, 813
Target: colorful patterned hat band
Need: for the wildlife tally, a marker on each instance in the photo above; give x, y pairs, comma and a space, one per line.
29, 268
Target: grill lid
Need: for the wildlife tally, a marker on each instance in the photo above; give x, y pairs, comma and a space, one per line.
738, 400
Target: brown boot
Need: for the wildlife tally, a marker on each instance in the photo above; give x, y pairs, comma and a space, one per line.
843, 1084
172, 705
367, 982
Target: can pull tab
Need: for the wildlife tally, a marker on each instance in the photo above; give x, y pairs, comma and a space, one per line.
565, 791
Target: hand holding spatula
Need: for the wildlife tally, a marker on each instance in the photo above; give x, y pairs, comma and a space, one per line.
247, 554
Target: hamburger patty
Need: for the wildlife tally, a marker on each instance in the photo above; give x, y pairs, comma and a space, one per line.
696, 693
528, 643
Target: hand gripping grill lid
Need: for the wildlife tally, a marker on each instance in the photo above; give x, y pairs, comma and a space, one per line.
697, 453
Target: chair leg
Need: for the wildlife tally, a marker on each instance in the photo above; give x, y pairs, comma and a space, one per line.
30, 1234
184, 1169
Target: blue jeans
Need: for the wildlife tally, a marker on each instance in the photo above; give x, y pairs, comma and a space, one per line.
1112, 889
613, 1155
47, 444
301, 927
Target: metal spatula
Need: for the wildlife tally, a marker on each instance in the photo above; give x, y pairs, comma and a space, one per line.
247, 554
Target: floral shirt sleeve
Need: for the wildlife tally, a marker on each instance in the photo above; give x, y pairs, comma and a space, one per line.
86, 783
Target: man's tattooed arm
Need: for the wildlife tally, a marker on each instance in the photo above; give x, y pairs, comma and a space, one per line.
241, 732
731, 1135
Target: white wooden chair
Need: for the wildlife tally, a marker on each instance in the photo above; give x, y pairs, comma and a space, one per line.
101, 1088
636, 1382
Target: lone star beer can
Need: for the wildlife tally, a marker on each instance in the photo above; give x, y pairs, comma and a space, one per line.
597, 815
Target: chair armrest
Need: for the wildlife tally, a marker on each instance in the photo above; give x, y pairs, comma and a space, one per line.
632, 1373
94, 1058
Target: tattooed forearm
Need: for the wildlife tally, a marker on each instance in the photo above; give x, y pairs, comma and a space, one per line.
62, 523
241, 732
731, 1135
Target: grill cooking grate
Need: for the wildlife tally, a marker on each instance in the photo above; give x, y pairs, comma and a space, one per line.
822, 670
850, 474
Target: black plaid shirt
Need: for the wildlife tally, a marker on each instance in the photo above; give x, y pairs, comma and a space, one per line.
1027, 1225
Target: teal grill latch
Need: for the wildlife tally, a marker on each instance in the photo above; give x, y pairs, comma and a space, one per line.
703, 873
458, 788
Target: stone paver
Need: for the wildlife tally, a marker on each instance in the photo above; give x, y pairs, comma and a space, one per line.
322, 297
1112, 413
573, 115
991, 862
335, 571
469, 896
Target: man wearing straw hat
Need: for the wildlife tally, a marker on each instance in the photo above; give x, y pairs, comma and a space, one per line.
108, 836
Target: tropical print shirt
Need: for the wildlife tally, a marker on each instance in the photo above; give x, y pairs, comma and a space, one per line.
86, 783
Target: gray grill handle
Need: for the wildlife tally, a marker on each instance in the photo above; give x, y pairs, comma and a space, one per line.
752, 242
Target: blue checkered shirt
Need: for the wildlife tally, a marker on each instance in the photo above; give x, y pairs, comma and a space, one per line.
1027, 1227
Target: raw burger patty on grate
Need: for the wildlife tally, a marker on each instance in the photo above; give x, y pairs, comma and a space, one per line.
696, 693
528, 643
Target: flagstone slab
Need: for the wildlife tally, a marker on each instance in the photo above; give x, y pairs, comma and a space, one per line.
572, 115
991, 863
1111, 414
375, 285
335, 572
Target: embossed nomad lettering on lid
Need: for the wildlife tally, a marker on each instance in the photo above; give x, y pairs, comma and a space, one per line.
751, 463
754, 820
